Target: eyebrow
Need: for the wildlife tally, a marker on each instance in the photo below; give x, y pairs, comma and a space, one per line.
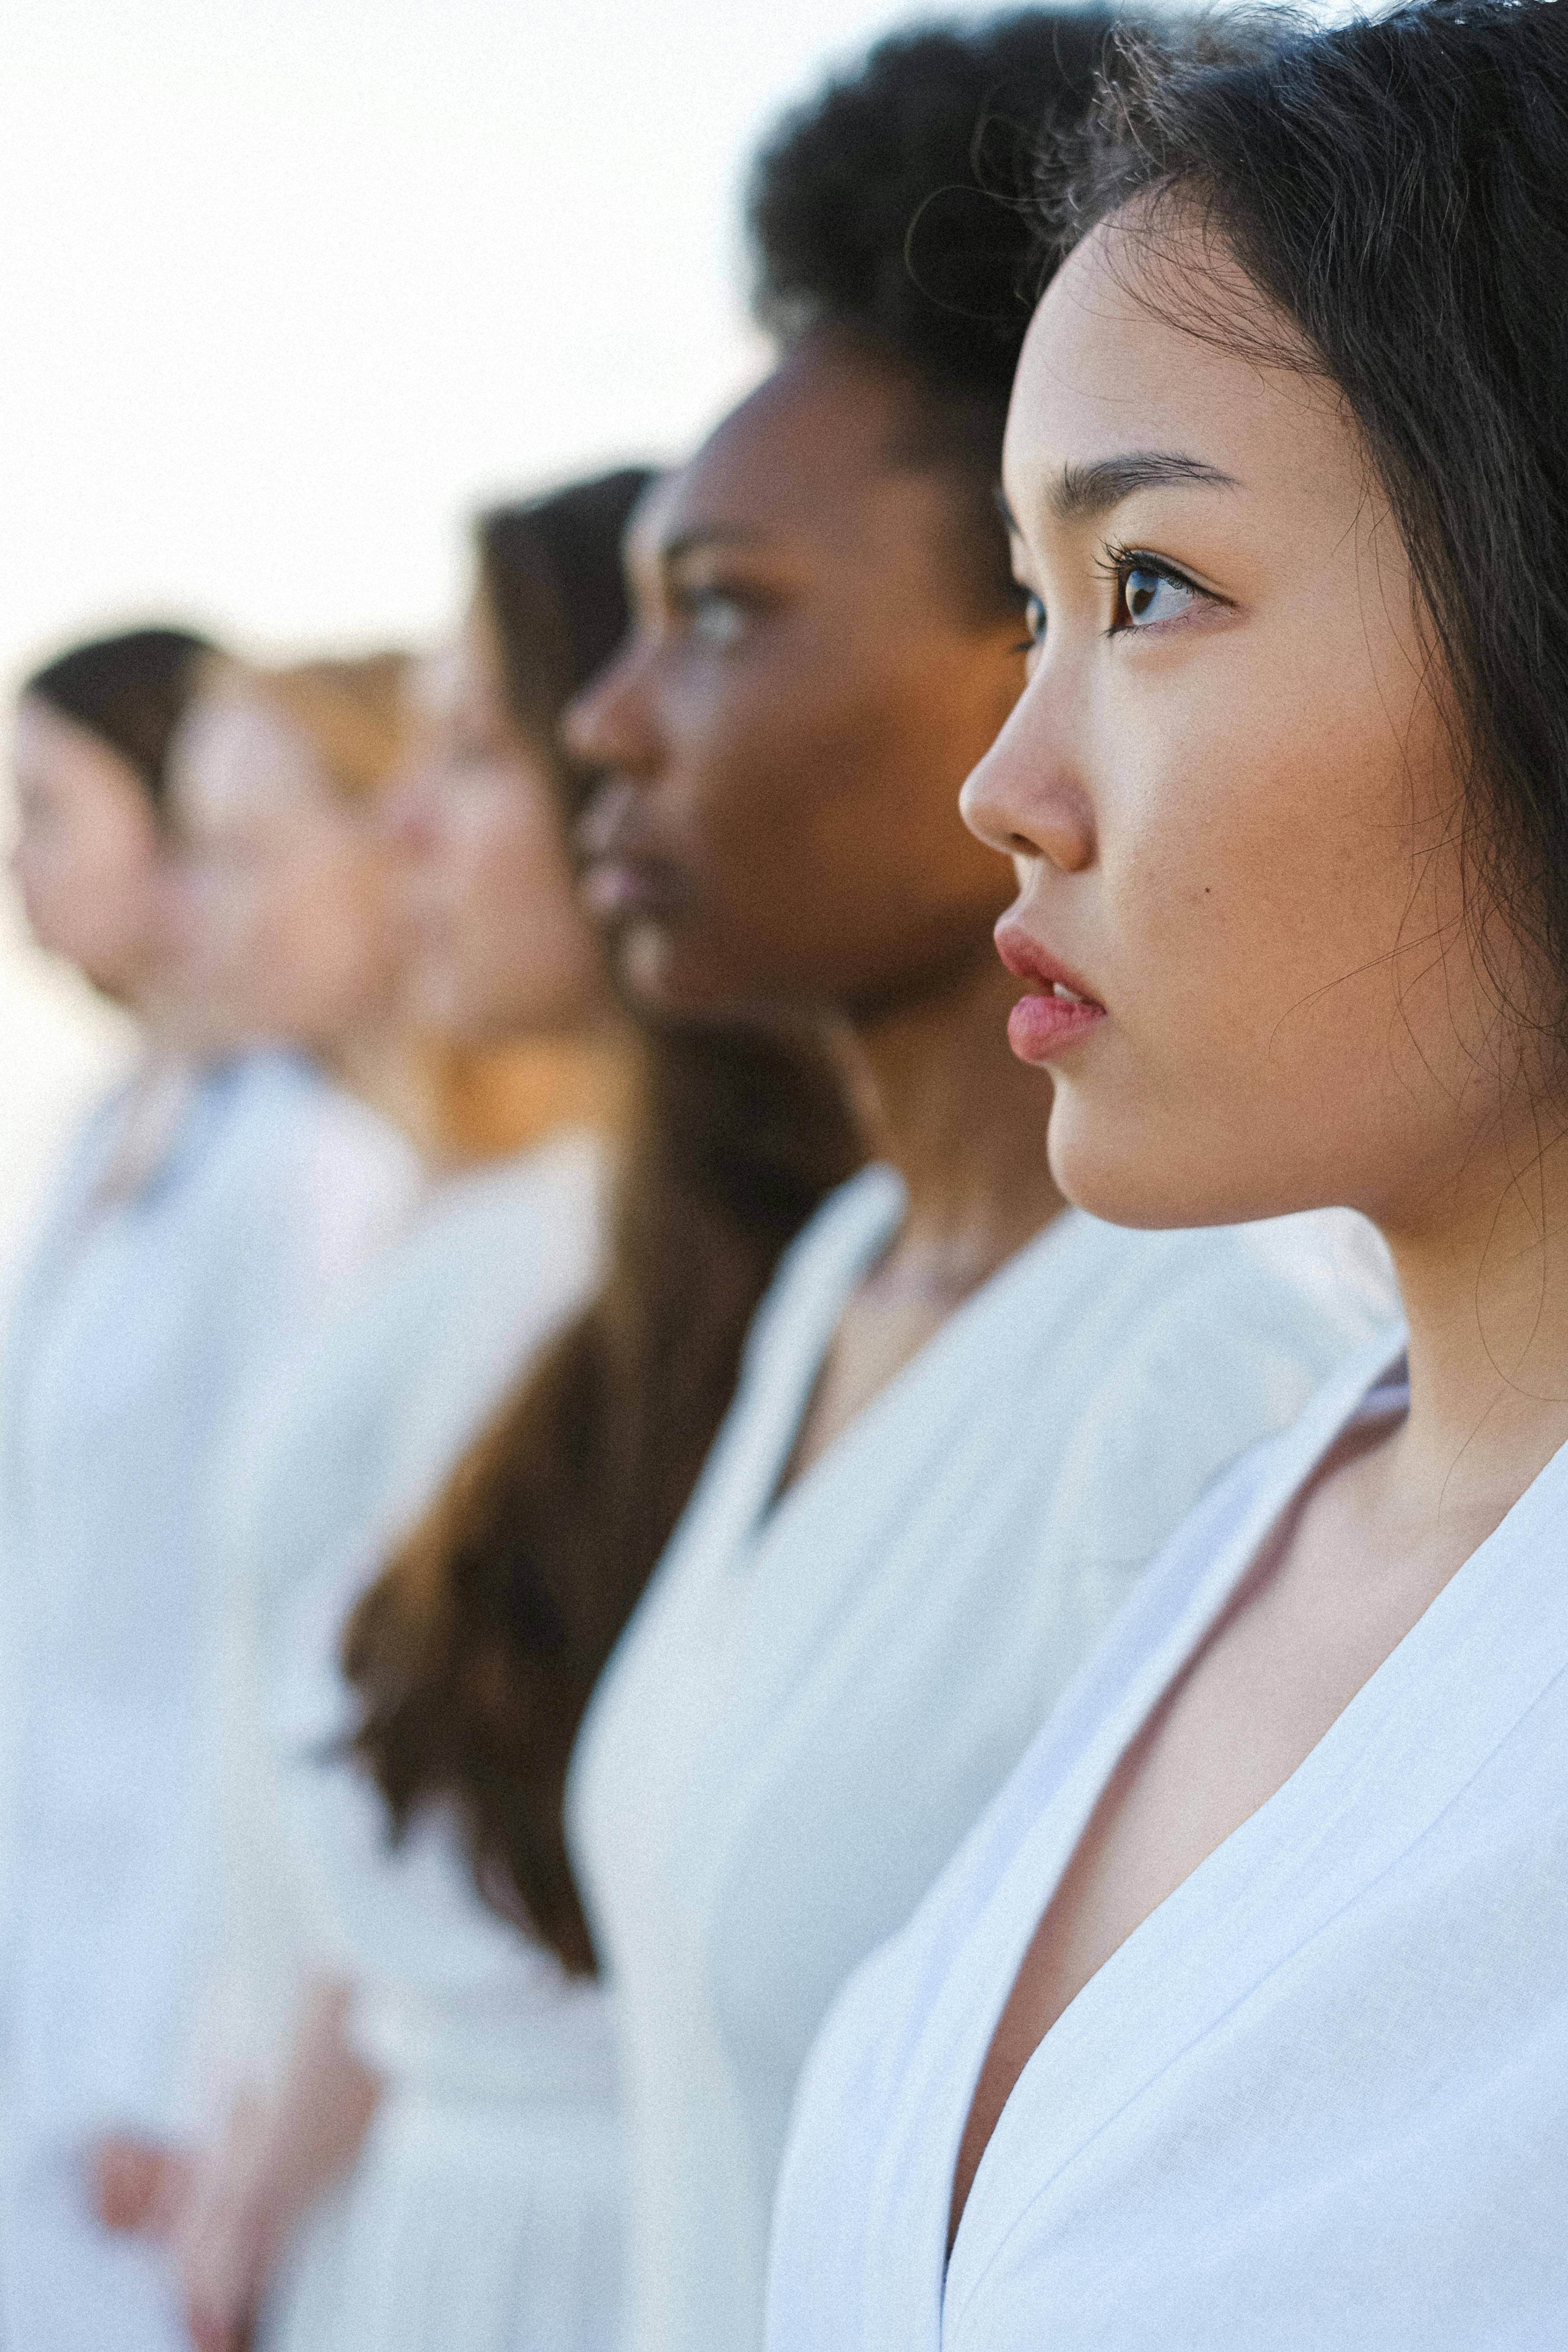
1083, 492
701, 535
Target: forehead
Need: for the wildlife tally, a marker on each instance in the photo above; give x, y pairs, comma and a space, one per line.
1168, 348
793, 456
237, 756
52, 753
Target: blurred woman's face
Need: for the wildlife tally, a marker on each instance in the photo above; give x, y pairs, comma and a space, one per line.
291, 923
499, 945
1229, 788
806, 686
88, 860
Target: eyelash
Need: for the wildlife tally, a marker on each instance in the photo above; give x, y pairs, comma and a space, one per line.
1118, 565
718, 592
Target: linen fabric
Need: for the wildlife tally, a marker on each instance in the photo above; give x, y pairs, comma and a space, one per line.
145, 1315
1317, 2098
823, 1688
484, 2211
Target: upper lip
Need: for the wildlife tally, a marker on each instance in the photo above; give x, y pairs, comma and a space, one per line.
610, 831
1026, 959
611, 838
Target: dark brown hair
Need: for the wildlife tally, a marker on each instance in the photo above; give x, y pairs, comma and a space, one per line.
130, 692
476, 1651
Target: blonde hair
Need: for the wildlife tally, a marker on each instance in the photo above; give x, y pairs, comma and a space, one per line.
350, 710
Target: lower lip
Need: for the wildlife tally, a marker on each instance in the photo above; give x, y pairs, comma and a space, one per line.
1039, 1027
610, 889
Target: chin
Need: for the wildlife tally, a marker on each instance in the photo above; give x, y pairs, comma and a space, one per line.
1162, 1175
661, 972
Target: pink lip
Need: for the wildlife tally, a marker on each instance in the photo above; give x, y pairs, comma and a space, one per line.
616, 887
1042, 1024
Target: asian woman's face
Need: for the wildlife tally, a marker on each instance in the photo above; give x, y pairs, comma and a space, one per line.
1228, 789
89, 860
500, 946
786, 733
290, 925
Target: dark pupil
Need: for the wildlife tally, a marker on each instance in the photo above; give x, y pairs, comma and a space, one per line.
1141, 588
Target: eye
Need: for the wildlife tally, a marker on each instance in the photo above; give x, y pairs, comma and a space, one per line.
1034, 624
715, 614
1148, 593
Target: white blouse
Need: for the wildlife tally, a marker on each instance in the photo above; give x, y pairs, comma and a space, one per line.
1318, 2097
485, 2209
148, 1312
820, 1692
361, 1428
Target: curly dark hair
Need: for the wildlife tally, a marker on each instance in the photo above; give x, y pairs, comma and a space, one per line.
891, 211
1396, 189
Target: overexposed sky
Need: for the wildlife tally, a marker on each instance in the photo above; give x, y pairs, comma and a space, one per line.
288, 282
287, 285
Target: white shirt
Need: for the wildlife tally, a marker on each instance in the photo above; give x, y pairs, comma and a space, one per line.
1320, 2097
362, 1425
142, 1320
819, 1694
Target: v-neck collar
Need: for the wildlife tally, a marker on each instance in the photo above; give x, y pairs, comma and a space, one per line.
1415, 1733
865, 1435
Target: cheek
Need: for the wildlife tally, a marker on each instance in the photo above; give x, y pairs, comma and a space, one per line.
758, 753
520, 846
1255, 863
1282, 1035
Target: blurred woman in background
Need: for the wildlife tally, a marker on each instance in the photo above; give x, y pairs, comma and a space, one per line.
452, 2069
207, 1209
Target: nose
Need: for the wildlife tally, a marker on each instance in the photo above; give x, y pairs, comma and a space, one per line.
1025, 797
609, 723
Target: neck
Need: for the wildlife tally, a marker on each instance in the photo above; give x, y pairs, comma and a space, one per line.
962, 1120
506, 1097
1484, 1276
385, 1070
465, 1104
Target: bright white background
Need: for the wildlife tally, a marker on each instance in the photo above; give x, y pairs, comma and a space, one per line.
287, 285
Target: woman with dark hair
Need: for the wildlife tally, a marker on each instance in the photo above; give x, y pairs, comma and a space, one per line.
968, 1417
449, 2072
209, 1206
90, 744
1242, 2018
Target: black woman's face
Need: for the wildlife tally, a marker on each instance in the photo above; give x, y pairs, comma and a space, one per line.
807, 684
